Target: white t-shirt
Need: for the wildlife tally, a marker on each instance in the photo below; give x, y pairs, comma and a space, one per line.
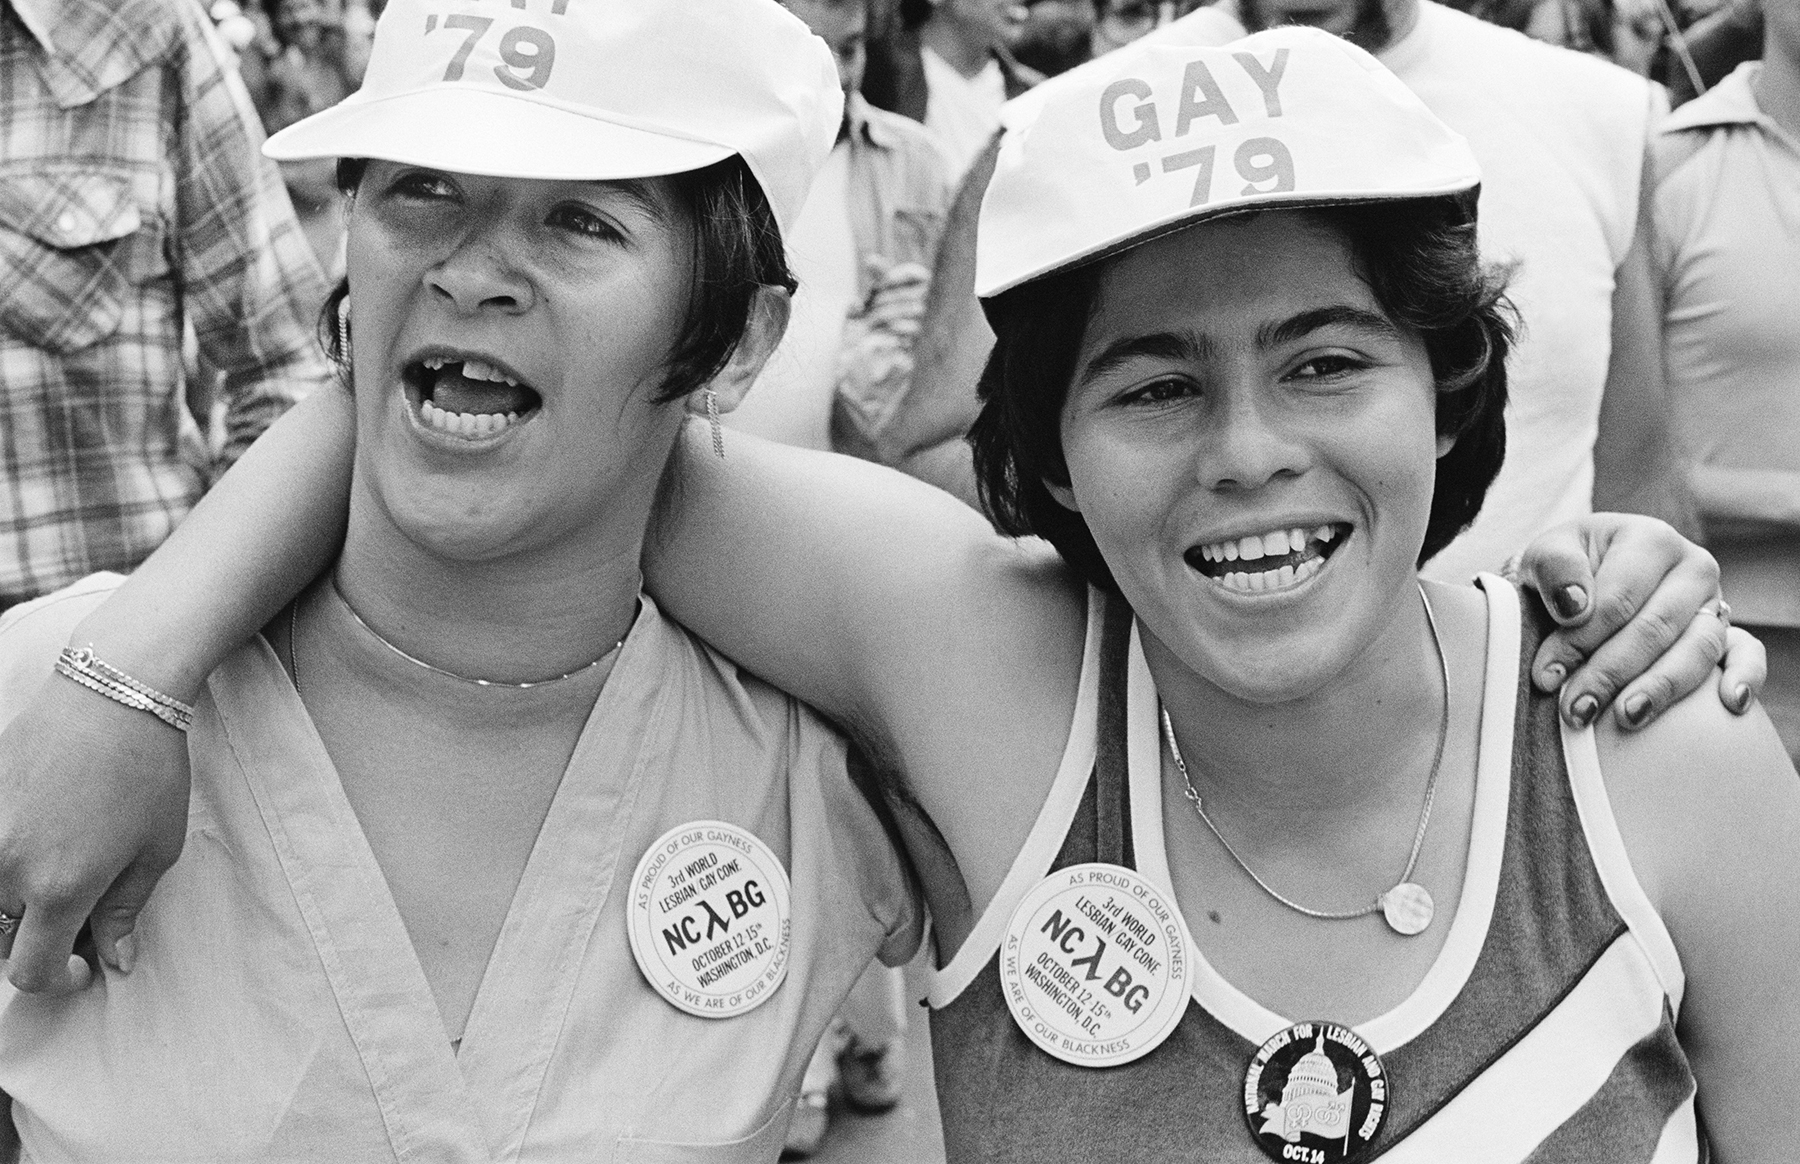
1561, 139
961, 113
791, 401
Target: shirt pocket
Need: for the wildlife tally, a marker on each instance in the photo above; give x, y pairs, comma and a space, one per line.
72, 243
759, 1147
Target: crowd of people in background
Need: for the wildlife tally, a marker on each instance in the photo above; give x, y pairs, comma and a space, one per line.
951, 65
1646, 186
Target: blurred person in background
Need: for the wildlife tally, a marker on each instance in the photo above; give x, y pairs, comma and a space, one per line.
1059, 34
134, 209
1119, 22
969, 71
1055, 36
862, 250
301, 56
1717, 39
1727, 206
1626, 33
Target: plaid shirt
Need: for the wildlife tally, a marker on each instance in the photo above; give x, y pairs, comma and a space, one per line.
134, 203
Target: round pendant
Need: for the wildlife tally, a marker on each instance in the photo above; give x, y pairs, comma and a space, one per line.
708, 919
1096, 965
1315, 1094
1407, 908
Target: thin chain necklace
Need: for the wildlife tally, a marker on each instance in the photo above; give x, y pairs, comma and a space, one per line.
294, 652
1407, 907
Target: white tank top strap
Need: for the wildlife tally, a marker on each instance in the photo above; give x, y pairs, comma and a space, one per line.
1620, 880
1582, 758
1047, 834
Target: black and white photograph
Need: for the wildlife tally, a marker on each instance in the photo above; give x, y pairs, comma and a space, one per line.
899, 581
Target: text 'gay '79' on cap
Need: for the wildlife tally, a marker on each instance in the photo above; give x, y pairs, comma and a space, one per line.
1160, 135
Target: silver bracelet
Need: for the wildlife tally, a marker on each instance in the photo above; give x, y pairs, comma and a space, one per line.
85, 668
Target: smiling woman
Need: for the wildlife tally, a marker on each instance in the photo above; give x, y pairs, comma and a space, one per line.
1416, 262
1250, 419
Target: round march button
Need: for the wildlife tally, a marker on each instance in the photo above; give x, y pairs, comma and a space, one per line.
1096, 965
1315, 1094
708, 919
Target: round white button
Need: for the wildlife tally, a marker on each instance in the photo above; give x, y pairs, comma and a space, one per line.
708, 919
1097, 965
66, 223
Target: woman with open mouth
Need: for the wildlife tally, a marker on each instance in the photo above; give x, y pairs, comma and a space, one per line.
487, 858
1222, 819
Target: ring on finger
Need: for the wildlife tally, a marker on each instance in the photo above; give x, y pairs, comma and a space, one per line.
1719, 609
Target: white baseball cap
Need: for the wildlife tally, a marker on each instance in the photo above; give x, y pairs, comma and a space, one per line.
588, 90
1162, 134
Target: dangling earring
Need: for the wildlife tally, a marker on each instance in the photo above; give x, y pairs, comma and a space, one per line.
343, 331
712, 418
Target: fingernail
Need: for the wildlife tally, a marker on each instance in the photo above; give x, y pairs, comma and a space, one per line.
1570, 601
1637, 709
1554, 674
125, 953
1740, 699
1583, 710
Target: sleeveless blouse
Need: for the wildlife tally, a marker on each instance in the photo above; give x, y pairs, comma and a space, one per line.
278, 1011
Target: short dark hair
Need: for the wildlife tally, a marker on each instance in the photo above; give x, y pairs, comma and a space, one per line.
737, 250
1420, 259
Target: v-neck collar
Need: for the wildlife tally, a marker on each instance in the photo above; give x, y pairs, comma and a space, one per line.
1449, 973
441, 1105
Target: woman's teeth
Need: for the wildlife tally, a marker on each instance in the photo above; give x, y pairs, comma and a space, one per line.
465, 424
1288, 557
472, 369
1273, 544
1246, 582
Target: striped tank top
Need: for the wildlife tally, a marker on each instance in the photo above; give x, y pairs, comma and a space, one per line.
1544, 1031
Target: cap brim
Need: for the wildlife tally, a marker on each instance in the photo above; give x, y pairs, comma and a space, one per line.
1229, 208
479, 131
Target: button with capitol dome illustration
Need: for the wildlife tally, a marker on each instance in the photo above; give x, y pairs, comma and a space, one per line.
1315, 1093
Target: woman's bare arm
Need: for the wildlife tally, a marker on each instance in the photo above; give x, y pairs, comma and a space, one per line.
1709, 809
834, 578
952, 652
92, 794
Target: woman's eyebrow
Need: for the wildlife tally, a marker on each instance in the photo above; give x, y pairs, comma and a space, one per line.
1297, 327
639, 193
1162, 345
